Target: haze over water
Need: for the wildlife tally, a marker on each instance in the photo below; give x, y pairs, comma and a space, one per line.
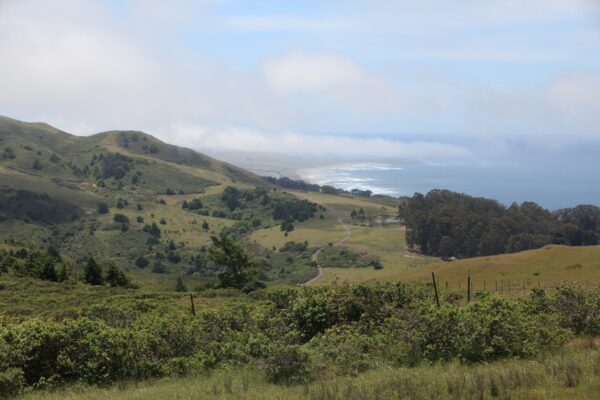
551, 186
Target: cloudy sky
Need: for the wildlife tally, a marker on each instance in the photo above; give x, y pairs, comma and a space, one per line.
469, 80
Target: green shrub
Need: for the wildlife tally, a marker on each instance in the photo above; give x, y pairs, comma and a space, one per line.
289, 365
12, 382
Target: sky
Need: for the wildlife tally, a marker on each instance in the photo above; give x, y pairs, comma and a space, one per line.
466, 81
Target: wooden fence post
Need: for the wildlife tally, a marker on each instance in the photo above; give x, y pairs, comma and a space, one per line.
469, 288
437, 297
192, 301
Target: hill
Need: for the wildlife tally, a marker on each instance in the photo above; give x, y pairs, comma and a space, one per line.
99, 196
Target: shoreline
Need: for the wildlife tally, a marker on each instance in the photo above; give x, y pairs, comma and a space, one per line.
341, 176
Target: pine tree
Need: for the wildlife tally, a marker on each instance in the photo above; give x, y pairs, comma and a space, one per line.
116, 277
64, 274
93, 272
48, 272
180, 286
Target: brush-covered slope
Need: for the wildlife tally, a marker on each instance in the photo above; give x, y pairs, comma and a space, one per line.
129, 198
117, 158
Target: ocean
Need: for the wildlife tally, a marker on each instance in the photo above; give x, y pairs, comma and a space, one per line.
550, 187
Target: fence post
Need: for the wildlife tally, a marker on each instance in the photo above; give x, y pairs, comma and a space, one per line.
469, 288
192, 301
437, 297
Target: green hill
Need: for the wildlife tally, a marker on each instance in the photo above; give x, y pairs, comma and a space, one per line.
52, 182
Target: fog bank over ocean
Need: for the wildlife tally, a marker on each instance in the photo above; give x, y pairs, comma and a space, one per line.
551, 186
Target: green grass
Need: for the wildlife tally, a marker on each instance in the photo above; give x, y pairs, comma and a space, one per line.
570, 373
549, 266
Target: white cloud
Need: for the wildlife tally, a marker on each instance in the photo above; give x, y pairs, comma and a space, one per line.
85, 67
565, 110
307, 72
292, 143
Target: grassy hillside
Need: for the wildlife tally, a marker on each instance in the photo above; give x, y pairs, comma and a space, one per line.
549, 265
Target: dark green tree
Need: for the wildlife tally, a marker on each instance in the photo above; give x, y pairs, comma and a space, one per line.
93, 272
116, 277
47, 271
102, 208
179, 285
233, 259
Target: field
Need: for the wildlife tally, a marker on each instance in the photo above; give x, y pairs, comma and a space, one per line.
550, 265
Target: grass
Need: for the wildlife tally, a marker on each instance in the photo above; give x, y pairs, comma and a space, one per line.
570, 373
316, 231
549, 265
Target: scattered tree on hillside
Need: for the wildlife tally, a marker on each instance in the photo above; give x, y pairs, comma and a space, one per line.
361, 216
93, 272
179, 285
116, 277
153, 230
102, 208
230, 197
120, 218
233, 259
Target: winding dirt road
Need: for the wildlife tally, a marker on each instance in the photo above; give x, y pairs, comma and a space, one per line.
315, 255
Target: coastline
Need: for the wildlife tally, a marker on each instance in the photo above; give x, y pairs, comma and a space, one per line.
347, 176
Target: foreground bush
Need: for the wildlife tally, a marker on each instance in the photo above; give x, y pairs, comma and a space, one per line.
291, 335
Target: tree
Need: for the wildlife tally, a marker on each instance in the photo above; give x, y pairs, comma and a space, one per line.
64, 274
230, 197
153, 230
116, 277
120, 218
179, 285
53, 253
93, 272
48, 272
361, 216
102, 208
446, 247
236, 263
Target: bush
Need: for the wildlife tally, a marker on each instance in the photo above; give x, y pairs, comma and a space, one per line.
12, 382
120, 218
289, 365
102, 208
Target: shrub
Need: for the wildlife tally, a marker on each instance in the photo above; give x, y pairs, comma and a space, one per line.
12, 382
120, 218
102, 208
289, 365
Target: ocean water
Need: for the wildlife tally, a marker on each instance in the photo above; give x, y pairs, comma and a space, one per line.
553, 188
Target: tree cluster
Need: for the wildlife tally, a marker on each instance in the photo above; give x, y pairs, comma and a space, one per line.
447, 224
288, 183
